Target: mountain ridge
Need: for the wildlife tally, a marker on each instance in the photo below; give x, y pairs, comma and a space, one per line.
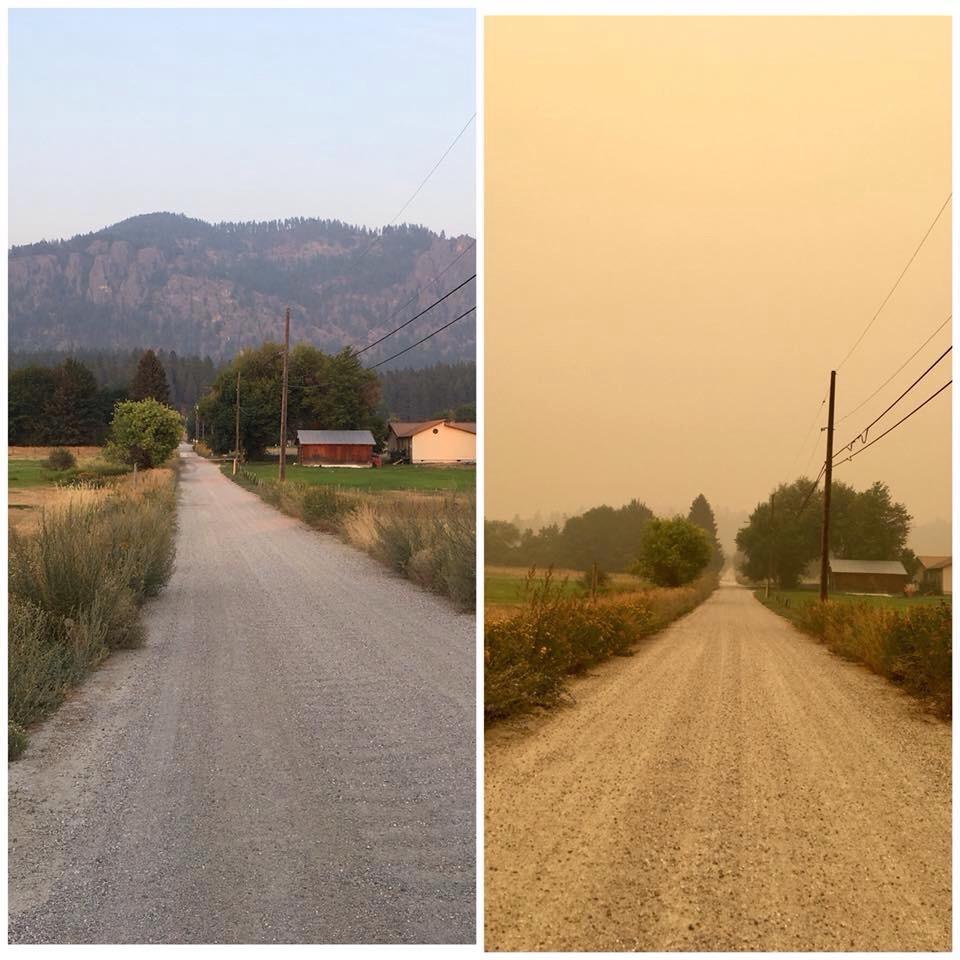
177, 282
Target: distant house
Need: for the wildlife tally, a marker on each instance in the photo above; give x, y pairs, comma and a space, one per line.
935, 574
335, 448
432, 441
867, 576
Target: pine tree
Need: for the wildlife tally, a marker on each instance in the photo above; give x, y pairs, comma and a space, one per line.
150, 380
701, 514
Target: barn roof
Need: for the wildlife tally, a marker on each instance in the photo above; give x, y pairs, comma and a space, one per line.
867, 566
407, 428
335, 436
935, 563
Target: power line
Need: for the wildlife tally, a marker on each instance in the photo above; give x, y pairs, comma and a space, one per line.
806, 436
407, 323
863, 433
896, 284
897, 424
432, 280
816, 483
423, 183
423, 340
895, 372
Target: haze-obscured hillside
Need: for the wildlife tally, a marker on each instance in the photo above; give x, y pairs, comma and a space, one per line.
168, 281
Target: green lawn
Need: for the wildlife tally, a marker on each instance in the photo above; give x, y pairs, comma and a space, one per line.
455, 479
792, 598
28, 473
503, 588
506, 585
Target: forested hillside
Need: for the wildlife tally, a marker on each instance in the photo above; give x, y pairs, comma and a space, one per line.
211, 289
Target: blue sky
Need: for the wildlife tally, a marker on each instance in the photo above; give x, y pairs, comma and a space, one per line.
238, 115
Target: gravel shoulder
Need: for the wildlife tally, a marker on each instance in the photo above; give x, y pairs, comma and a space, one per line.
732, 786
289, 759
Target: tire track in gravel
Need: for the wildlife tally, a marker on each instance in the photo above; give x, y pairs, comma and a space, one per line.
731, 786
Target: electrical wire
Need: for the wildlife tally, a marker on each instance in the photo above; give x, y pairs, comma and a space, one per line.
896, 283
423, 340
816, 483
862, 436
897, 424
423, 183
863, 403
407, 323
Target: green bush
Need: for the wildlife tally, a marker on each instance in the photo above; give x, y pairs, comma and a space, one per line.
143, 433
673, 552
60, 459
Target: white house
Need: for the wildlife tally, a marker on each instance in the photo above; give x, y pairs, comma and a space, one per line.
432, 441
935, 574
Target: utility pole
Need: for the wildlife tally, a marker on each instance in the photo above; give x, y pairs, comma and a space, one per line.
827, 479
770, 551
236, 435
283, 397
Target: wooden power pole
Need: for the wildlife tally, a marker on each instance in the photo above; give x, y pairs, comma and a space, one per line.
827, 480
283, 397
770, 551
236, 434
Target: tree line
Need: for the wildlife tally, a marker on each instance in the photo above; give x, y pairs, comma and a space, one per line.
332, 392
864, 525
188, 377
65, 405
607, 536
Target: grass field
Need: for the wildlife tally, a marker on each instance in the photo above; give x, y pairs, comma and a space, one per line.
507, 585
793, 598
453, 479
23, 474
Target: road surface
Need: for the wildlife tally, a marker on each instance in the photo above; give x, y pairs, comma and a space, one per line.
290, 758
732, 786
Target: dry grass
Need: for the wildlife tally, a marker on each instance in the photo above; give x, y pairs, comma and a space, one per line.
26, 507
41, 453
529, 656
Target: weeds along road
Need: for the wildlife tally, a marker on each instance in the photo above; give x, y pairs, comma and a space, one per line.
290, 758
731, 786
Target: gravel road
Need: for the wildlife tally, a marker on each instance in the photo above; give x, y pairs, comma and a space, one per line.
290, 758
732, 786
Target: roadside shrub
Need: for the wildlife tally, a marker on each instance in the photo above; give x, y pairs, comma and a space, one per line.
76, 585
429, 540
60, 459
143, 432
323, 507
528, 657
673, 552
16, 740
912, 647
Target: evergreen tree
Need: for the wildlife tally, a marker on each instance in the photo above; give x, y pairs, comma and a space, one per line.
150, 380
701, 514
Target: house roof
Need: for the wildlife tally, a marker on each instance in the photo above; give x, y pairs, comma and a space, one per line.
867, 566
407, 428
462, 425
935, 563
335, 436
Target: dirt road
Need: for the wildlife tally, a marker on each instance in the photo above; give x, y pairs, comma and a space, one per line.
732, 786
289, 759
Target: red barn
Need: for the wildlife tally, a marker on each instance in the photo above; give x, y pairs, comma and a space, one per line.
335, 448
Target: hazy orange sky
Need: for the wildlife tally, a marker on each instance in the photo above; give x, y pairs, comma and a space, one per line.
688, 222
